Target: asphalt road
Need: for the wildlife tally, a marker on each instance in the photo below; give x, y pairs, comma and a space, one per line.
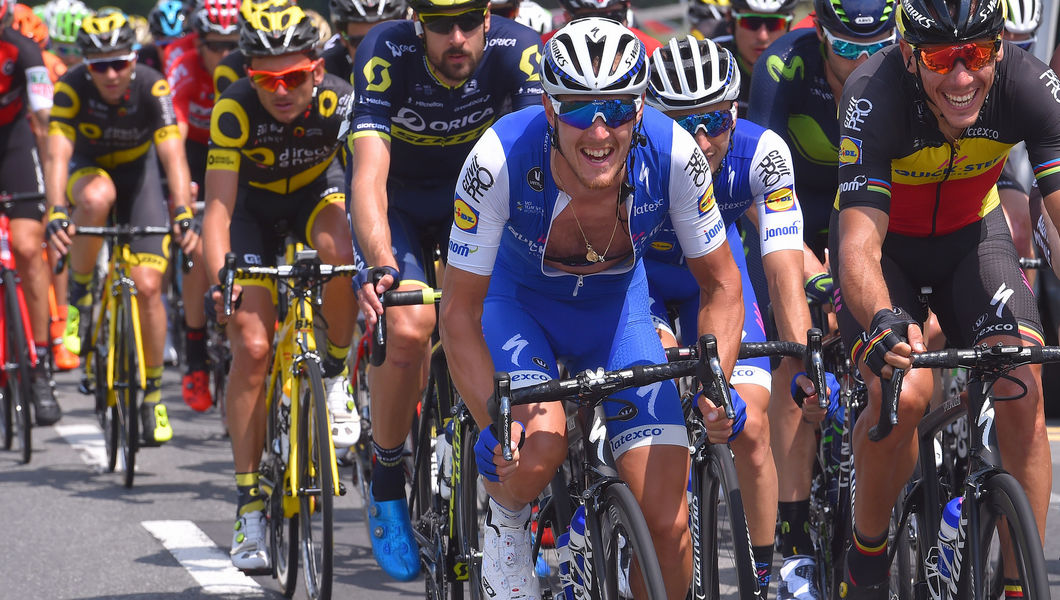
69, 530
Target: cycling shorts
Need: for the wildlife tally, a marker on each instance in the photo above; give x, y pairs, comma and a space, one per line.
20, 169
414, 235
262, 220
674, 285
977, 287
140, 202
607, 325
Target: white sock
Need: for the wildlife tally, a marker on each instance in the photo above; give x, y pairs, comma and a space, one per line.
507, 517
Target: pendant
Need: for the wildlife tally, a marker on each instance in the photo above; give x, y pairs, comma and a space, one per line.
591, 255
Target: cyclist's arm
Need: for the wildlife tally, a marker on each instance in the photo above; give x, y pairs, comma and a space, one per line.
56, 174
368, 207
460, 324
861, 233
221, 189
175, 162
720, 302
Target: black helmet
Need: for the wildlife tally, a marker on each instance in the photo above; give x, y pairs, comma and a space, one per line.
277, 30
366, 11
107, 33
766, 7
855, 18
447, 6
950, 21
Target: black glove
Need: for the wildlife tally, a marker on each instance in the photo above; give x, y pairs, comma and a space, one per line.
58, 219
889, 328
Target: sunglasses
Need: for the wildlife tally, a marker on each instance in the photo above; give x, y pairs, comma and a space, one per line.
220, 46
288, 78
582, 113
443, 24
714, 123
853, 50
67, 50
941, 59
754, 22
118, 63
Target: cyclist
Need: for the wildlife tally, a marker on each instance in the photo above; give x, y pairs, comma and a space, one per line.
927, 126
697, 83
111, 124
234, 65
616, 10
709, 18
27, 92
191, 77
26, 22
273, 169
351, 20
65, 22
168, 21
426, 90
753, 26
532, 282
526, 12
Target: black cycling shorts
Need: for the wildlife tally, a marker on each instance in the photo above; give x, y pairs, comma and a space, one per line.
977, 288
20, 169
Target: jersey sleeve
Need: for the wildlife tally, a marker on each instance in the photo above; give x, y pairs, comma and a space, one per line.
1037, 90
693, 208
772, 183
66, 105
869, 117
375, 71
160, 103
481, 207
39, 88
229, 132
526, 52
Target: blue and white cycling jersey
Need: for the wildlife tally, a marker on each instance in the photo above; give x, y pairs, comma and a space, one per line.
506, 201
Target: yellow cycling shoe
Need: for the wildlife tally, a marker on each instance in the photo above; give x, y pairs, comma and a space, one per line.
155, 422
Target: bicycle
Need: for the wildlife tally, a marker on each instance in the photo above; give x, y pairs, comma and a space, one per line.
615, 531
114, 370
298, 473
991, 495
17, 352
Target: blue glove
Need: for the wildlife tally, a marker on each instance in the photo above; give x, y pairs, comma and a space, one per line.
374, 274
833, 394
739, 407
487, 442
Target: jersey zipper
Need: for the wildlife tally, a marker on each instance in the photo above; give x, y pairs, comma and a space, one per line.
579, 284
938, 189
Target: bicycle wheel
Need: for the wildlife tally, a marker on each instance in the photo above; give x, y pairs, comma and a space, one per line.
1005, 503
907, 548
429, 524
317, 482
283, 527
18, 374
7, 426
470, 510
726, 565
219, 357
624, 537
127, 386
106, 411
361, 452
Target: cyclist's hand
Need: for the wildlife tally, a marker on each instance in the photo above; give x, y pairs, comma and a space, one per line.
719, 427
894, 336
490, 459
812, 412
369, 284
214, 306
184, 229
59, 229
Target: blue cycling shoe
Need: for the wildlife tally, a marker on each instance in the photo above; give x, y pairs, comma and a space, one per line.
393, 545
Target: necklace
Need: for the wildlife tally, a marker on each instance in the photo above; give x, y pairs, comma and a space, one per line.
590, 254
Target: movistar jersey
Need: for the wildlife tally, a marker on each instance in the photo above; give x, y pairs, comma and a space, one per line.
507, 200
274, 156
113, 134
756, 170
430, 125
893, 156
790, 95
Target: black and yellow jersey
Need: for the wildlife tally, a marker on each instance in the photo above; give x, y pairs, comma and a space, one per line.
113, 134
232, 68
271, 155
893, 157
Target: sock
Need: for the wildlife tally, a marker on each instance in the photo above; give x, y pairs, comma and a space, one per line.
388, 473
867, 559
44, 352
763, 556
195, 348
1013, 588
335, 361
153, 393
795, 528
78, 292
249, 499
507, 517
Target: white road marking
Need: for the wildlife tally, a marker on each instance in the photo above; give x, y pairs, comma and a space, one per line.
87, 439
195, 551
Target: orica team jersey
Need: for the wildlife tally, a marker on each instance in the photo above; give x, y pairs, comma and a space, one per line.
274, 156
192, 94
22, 75
757, 170
893, 156
432, 126
506, 198
791, 96
113, 134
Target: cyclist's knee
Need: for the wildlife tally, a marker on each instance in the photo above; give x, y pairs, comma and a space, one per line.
408, 331
148, 284
95, 198
335, 249
255, 346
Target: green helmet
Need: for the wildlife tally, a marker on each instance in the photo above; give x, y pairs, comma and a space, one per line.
65, 20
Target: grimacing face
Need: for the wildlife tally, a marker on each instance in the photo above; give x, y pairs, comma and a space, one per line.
714, 148
597, 155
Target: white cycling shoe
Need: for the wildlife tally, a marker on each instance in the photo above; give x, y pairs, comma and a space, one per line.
507, 568
250, 550
345, 420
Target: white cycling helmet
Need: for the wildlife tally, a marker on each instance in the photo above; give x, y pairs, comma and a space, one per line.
621, 63
534, 16
691, 73
1024, 16
769, 7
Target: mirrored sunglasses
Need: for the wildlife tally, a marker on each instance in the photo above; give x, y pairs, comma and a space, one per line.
754, 22
851, 50
975, 55
443, 24
118, 63
714, 123
288, 78
220, 46
582, 113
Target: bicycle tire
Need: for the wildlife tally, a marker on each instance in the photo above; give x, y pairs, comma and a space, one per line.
624, 536
127, 386
470, 512
362, 451
425, 505
1004, 498
283, 528
317, 473
907, 548
18, 354
724, 542
7, 426
106, 410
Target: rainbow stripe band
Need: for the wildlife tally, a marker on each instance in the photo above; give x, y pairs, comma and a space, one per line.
881, 186
1046, 168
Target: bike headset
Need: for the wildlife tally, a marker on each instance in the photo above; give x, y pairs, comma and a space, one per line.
765, 7
922, 22
65, 20
608, 9
690, 73
702, 10
855, 19
594, 56
29, 24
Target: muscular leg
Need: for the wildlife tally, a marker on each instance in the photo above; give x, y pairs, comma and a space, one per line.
396, 385
542, 453
153, 322
755, 467
94, 196
331, 238
250, 334
27, 238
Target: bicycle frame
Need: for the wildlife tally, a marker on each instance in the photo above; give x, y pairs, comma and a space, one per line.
7, 263
118, 283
